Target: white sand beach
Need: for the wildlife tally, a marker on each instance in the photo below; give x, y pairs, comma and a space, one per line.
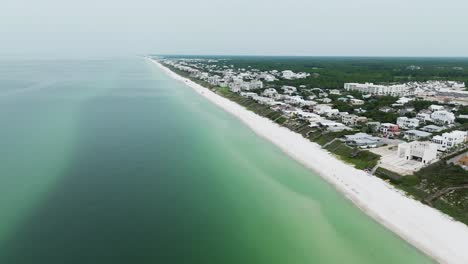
427, 229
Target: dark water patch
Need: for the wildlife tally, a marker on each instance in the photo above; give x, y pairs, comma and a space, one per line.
130, 194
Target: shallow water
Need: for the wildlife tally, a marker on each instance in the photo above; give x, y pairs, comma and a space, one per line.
111, 161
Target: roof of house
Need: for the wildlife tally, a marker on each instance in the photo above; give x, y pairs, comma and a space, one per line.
418, 133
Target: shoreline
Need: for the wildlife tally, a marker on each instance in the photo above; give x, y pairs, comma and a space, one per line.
427, 229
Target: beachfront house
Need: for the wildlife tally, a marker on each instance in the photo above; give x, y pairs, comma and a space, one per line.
363, 140
353, 120
333, 126
425, 152
450, 139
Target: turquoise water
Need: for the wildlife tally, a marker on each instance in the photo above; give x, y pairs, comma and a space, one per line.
111, 161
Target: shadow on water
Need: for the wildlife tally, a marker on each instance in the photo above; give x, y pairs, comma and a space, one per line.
128, 195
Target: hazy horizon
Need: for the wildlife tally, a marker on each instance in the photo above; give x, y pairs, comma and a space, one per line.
362, 28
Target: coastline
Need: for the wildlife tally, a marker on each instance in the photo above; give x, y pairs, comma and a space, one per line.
429, 230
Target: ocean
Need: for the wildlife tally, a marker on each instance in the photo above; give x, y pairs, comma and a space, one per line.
111, 161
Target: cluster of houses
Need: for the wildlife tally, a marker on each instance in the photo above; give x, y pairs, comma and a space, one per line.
420, 145
442, 91
226, 76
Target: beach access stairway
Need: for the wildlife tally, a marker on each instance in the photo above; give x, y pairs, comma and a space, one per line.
436, 195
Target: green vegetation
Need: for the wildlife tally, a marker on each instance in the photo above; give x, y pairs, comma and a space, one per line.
431, 180
361, 159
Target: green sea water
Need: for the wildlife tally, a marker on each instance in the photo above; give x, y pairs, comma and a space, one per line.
111, 161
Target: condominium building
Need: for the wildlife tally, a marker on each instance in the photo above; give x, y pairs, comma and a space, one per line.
370, 88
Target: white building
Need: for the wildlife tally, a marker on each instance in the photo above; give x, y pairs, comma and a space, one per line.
425, 152
389, 129
356, 101
432, 128
370, 88
333, 126
214, 80
449, 140
402, 101
289, 89
332, 112
436, 107
255, 84
352, 120
415, 134
443, 117
270, 92
322, 109
363, 140
288, 74
406, 123
295, 100
423, 117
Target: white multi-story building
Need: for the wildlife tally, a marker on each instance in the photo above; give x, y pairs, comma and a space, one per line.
352, 120
443, 117
449, 140
406, 123
389, 129
423, 117
214, 80
425, 152
255, 84
370, 88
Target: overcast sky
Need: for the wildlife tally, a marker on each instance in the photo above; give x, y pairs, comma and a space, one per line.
244, 27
